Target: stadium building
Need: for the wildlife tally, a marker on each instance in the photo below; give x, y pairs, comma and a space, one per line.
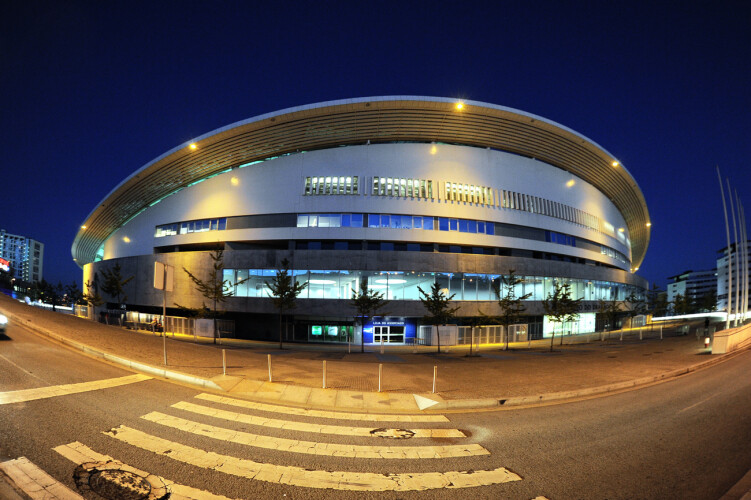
405, 190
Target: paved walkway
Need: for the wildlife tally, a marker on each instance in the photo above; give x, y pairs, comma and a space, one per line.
523, 374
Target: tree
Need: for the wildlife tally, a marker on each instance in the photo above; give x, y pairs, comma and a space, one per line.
609, 309
657, 302
51, 294
635, 305
92, 296
114, 283
511, 305
215, 289
367, 303
284, 292
560, 307
75, 295
681, 305
439, 309
707, 302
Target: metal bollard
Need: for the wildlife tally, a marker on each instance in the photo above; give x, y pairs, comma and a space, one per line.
435, 376
224, 362
660, 332
381, 343
324, 373
380, 375
268, 356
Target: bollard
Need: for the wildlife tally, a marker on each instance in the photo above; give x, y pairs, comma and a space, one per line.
621, 334
640, 335
324, 373
269, 358
660, 332
224, 362
381, 343
380, 375
435, 376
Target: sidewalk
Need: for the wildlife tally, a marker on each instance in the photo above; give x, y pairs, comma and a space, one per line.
493, 378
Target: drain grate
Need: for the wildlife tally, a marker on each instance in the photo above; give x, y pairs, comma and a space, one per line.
111, 480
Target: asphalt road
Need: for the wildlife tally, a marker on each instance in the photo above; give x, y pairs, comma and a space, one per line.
683, 439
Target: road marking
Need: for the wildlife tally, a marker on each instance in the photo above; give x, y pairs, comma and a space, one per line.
423, 402
81, 454
313, 448
298, 476
306, 427
697, 404
64, 390
36, 483
373, 417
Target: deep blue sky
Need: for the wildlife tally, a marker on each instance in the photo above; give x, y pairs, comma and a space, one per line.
91, 91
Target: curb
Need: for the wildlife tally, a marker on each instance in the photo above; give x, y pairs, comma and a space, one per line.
133, 365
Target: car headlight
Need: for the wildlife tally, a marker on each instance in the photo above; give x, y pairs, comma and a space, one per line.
3, 320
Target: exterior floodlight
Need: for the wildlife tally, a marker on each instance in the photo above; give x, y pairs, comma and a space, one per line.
615, 163
459, 106
193, 146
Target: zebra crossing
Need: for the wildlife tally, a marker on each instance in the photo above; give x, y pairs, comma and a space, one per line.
257, 433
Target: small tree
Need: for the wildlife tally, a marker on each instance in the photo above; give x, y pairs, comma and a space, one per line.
75, 295
51, 294
609, 309
367, 303
707, 302
284, 292
215, 289
439, 309
511, 305
634, 305
560, 307
92, 296
114, 283
657, 302
681, 305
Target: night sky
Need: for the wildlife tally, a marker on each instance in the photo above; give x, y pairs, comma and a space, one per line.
92, 91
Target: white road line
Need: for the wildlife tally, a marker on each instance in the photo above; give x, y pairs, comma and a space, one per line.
64, 390
314, 448
80, 454
697, 404
316, 428
298, 476
36, 483
372, 417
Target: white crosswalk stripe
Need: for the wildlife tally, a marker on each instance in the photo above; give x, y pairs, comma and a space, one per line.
306, 427
298, 476
367, 417
314, 448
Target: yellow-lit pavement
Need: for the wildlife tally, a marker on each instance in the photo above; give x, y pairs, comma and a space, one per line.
370, 417
36, 483
298, 476
63, 390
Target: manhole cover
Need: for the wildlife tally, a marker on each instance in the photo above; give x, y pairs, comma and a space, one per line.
393, 433
111, 480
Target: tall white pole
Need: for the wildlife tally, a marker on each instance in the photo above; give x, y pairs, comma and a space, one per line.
735, 233
744, 239
727, 233
740, 267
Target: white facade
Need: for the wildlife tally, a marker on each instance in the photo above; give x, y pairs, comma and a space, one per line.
26, 256
722, 279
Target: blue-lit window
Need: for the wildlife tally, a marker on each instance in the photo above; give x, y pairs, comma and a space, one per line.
443, 224
428, 223
396, 222
453, 225
463, 225
472, 226
341, 245
489, 228
387, 246
356, 220
346, 220
406, 222
480, 227
385, 220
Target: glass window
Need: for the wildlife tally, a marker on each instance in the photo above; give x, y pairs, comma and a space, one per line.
307, 185
389, 186
313, 221
387, 246
374, 220
346, 220
302, 221
356, 220
489, 228
348, 189
406, 222
427, 223
403, 187
342, 186
471, 226
453, 225
341, 245
443, 224
396, 221
385, 221
463, 225
355, 186
480, 227
376, 185
430, 189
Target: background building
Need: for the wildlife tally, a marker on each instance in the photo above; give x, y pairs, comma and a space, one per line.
722, 277
406, 191
693, 285
26, 256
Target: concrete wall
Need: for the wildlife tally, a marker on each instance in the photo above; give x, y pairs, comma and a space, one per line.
731, 340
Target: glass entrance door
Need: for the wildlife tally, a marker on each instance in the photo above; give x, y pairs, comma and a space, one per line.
390, 334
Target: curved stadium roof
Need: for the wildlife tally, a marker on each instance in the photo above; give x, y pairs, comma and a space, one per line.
356, 121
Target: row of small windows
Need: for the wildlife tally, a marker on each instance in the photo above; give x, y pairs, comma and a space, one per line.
332, 185
413, 188
393, 221
537, 205
194, 226
480, 195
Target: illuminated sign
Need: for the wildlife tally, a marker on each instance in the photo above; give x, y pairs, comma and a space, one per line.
333, 331
4, 265
315, 330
